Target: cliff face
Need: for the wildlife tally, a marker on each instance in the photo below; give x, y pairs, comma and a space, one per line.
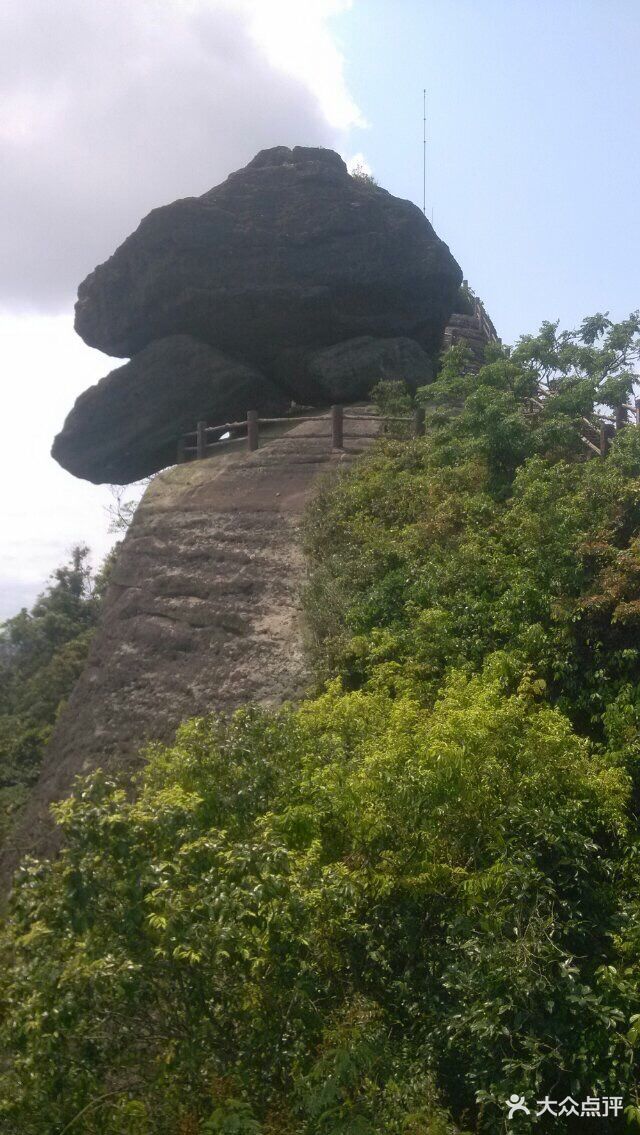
202, 611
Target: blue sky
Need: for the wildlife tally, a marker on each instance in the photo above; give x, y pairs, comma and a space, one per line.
533, 141
111, 108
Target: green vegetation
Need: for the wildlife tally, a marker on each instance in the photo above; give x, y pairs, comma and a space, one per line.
362, 175
494, 535
42, 652
390, 908
464, 303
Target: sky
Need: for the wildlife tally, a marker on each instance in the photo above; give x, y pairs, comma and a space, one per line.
109, 108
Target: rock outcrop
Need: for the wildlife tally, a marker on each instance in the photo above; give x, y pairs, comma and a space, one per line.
290, 251
347, 371
315, 282
125, 427
473, 330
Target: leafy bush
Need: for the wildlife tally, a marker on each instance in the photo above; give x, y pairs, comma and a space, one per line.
361, 174
326, 920
391, 396
488, 536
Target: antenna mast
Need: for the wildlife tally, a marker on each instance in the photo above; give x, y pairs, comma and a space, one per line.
424, 151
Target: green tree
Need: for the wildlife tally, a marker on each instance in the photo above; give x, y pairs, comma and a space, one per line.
533, 398
42, 652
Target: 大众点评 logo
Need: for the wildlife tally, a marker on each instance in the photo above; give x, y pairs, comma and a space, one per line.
593, 1107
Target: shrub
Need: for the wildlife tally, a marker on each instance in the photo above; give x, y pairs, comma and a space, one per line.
341, 915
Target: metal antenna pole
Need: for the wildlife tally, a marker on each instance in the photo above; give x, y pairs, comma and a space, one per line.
424, 151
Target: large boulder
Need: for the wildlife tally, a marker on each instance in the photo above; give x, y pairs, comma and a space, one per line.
126, 427
291, 280
290, 251
347, 371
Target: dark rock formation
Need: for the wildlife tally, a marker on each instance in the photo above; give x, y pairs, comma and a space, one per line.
125, 427
289, 251
471, 327
347, 371
323, 282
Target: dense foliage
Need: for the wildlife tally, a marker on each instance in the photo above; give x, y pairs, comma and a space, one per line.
496, 534
389, 909
42, 652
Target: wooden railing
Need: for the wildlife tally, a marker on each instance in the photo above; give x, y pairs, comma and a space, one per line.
605, 428
599, 432
210, 437
205, 439
596, 438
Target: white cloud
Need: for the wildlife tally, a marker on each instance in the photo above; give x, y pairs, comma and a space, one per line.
297, 38
110, 108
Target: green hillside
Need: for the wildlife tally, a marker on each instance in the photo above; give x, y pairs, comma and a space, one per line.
392, 907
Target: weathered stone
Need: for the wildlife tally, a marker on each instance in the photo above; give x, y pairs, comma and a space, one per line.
126, 426
290, 251
347, 371
467, 331
202, 613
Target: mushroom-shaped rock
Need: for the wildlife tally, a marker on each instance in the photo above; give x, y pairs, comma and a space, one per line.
291, 251
127, 425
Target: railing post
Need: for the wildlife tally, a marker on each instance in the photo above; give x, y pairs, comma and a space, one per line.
253, 430
201, 442
419, 421
337, 428
620, 417
180, 454
605, 438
